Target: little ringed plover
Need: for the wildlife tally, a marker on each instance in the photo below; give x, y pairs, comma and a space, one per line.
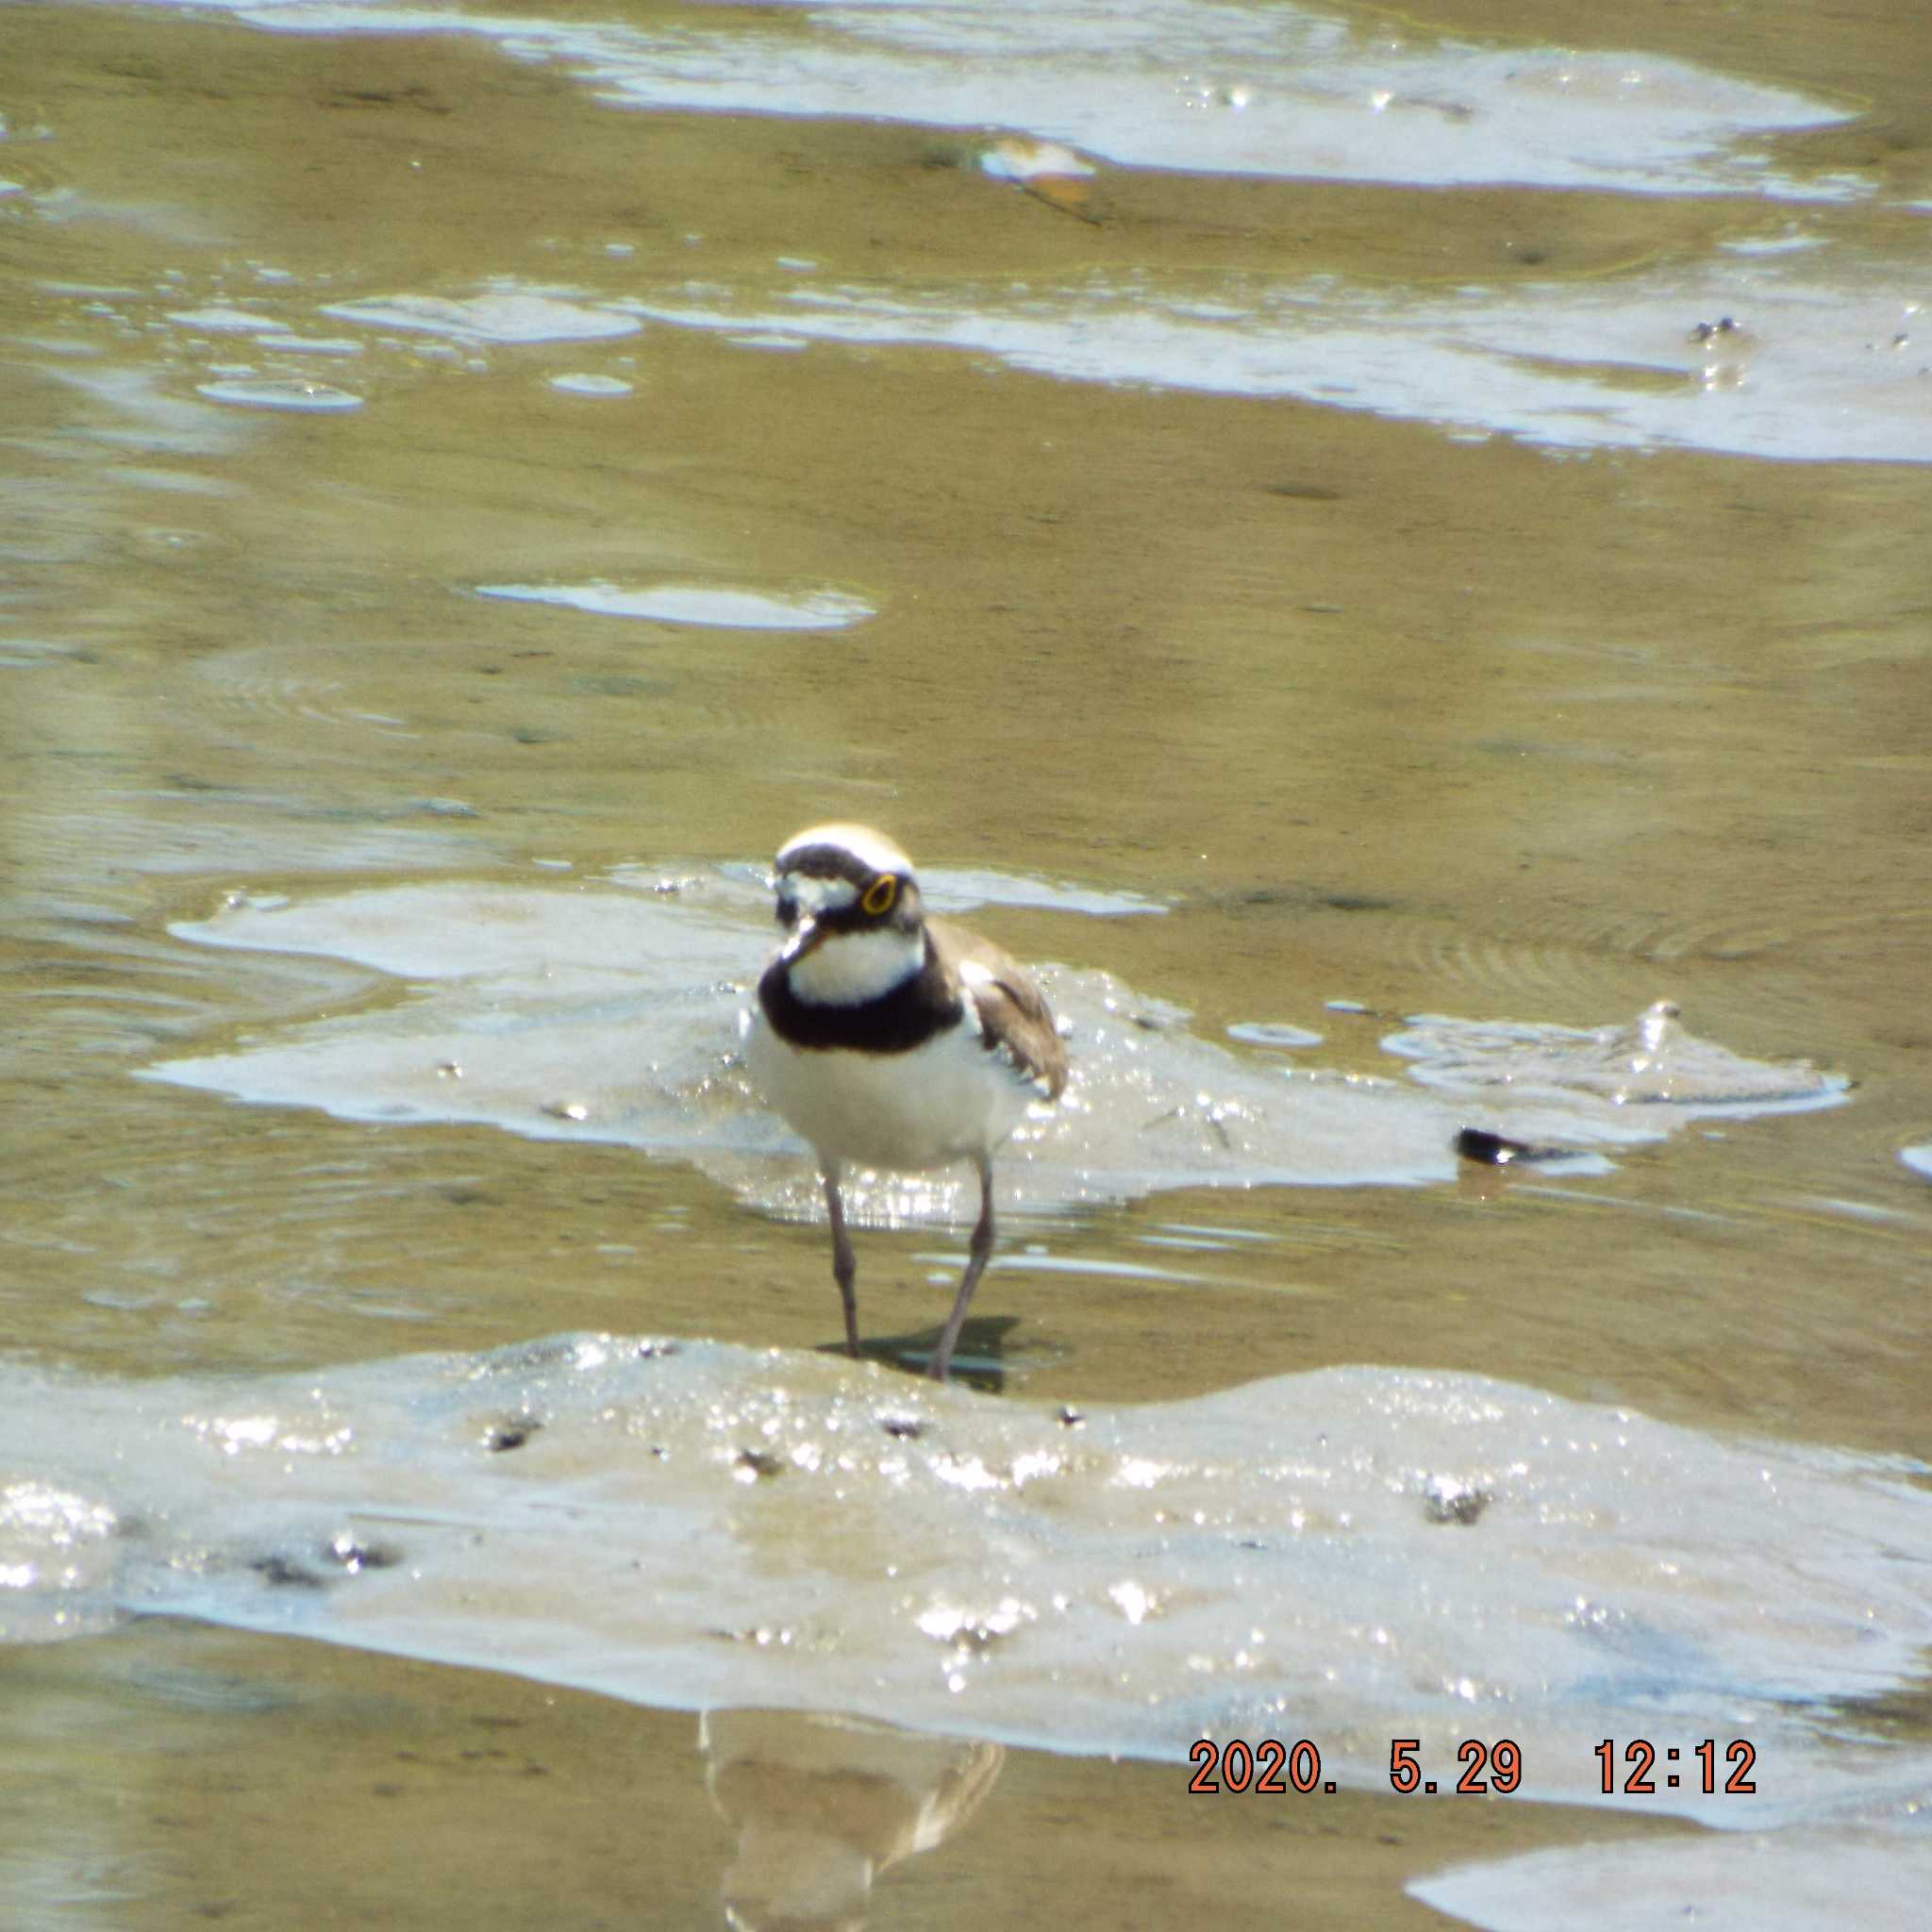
890, 1039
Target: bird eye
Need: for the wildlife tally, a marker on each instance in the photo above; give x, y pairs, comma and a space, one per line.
879, 896
788, 909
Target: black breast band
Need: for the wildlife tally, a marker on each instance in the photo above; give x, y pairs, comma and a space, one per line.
895, 1022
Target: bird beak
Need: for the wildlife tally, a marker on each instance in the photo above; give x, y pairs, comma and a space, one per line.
806, 935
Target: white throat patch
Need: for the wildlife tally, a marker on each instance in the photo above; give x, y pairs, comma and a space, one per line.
850, 968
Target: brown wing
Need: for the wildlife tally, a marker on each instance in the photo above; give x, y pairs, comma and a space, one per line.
1012, 1010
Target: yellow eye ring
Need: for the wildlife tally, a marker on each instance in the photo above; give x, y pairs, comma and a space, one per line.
879, 896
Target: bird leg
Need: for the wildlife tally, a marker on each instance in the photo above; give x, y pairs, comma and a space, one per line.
844, 1267
976, 1264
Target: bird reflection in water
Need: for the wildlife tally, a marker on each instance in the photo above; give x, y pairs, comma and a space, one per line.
823, 1804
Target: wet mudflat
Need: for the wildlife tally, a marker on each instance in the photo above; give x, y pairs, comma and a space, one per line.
1436, 526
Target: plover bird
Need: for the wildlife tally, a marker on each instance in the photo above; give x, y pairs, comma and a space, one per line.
892, 1040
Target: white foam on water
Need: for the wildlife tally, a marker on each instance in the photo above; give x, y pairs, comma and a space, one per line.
1820, 367
716, 605
1873, 1871
283, 344
1282, 1033
1651, 1063
694, 1524
281, 392
599, 1013
958, 889
1279, 91
588, 385
220, 320
505, 314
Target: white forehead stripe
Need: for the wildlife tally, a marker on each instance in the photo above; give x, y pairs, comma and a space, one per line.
872, 849
822, 895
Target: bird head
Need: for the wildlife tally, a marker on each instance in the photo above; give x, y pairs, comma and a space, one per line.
850, 905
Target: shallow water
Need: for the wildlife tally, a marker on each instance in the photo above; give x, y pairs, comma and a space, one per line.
1356, 1551
1305, 524
508, 986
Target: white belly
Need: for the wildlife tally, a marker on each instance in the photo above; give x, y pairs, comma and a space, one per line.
946, 1101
